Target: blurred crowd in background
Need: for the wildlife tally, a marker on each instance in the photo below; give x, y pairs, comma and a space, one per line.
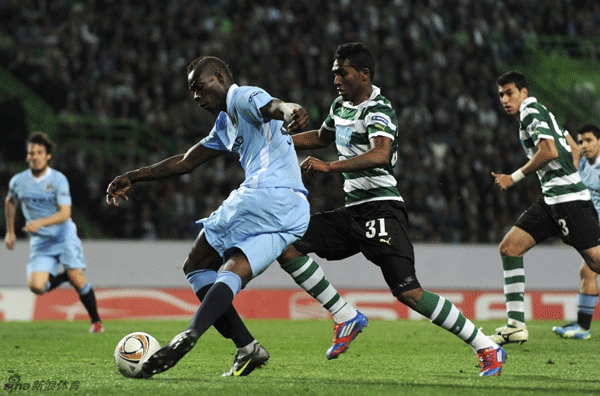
437, 61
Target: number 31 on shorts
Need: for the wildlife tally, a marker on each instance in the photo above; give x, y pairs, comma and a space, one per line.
372, 228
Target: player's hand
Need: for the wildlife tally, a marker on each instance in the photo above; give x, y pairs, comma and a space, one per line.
32, 226
503, 181
299, 120
9, 240
311, 165
117, 189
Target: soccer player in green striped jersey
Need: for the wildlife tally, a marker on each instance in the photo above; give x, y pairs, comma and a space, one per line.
374, 221
564, 209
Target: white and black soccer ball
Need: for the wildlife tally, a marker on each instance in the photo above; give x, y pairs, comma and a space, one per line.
132, 351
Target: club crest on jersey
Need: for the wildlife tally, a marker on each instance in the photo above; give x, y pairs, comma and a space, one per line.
49, 187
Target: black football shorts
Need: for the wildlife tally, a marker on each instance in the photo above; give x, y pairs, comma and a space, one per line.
575, 222
376, 229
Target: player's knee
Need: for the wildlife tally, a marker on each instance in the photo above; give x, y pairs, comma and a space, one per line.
585, 272
78, 284
591, 271
187, 266
290, 253
77, 277
37, 289
192, 264
410, 298
508, 247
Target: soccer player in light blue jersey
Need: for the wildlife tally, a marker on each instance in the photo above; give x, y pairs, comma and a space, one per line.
564, 210
253, 225
588, 137
45, 200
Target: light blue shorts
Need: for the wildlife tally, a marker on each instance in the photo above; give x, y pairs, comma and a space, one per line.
46, 254
261, 222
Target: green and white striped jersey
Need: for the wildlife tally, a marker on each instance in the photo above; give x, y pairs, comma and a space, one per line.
559, 179
353, 126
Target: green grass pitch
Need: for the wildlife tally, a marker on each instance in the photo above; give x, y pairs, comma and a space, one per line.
389, 358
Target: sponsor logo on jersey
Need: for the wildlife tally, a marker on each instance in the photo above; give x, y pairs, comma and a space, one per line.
252, 95
380, 119
238, 143
533, 126
342, 136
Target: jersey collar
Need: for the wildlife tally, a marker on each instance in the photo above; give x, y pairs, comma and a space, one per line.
42, 177
527, 102
376, 92
230, 96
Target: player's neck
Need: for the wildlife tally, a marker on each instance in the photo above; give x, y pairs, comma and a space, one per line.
592, 161
37, 173
364, 96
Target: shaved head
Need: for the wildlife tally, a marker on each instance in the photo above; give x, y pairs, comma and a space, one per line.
210, 65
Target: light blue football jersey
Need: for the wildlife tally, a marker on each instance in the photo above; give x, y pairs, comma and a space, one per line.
590, 175
41, 197
266, 153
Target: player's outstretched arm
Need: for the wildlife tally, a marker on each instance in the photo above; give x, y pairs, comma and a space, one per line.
313, 139
378, 155
170, 167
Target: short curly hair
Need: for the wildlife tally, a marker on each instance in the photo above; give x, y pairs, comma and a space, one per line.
358, 55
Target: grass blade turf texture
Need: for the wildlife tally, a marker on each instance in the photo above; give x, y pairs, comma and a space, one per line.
388, 358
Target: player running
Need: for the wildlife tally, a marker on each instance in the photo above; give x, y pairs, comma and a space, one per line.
564, 210
374, 221
45, 199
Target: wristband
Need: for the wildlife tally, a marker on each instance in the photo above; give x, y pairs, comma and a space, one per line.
517, 175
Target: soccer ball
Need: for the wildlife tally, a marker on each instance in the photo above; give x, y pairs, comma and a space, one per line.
132, 351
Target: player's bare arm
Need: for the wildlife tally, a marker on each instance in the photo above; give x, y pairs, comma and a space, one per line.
292, 113
175, 166
313, 139
575, 150
377, 156
10, 210
63, 214
546, 152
